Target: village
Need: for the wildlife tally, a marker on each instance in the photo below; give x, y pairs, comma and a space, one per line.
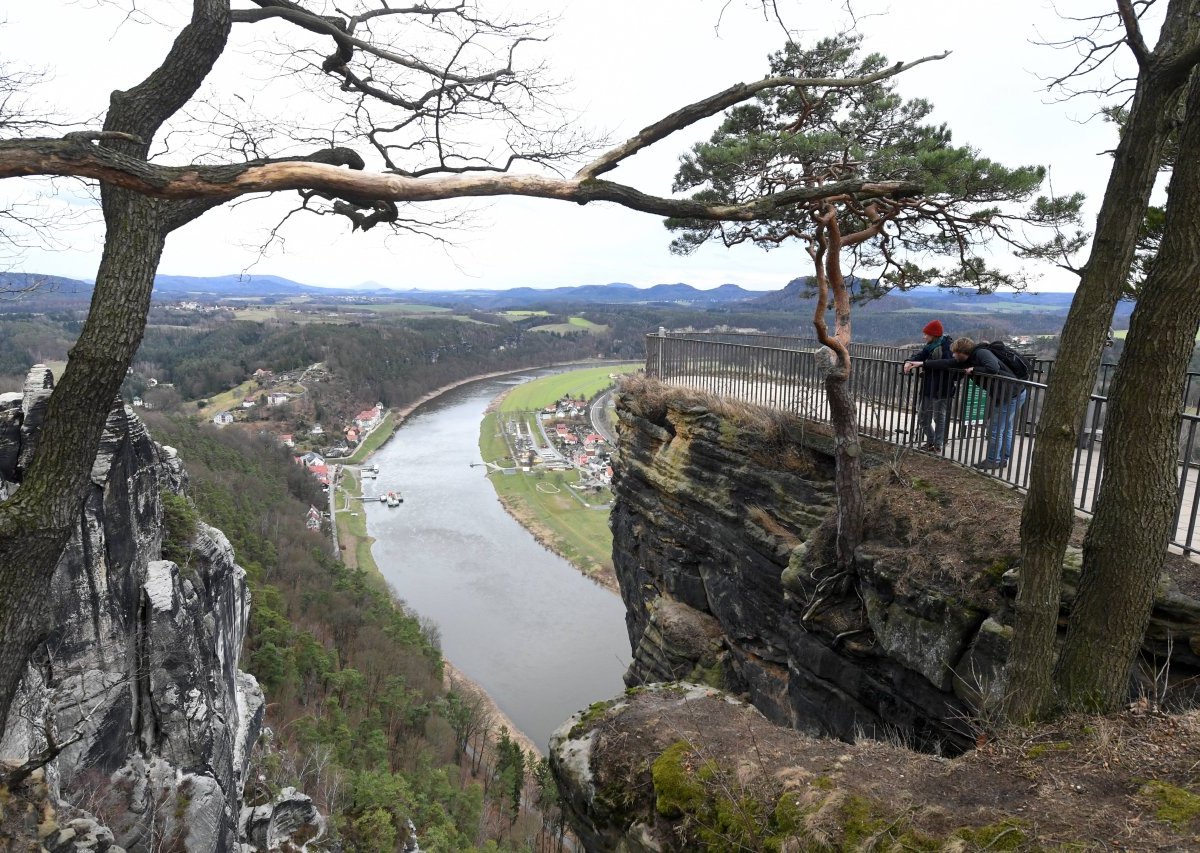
559, 437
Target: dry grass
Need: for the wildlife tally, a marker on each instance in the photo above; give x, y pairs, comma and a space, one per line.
774, 438
771, 525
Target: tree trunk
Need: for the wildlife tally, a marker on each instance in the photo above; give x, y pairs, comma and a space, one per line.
1049, 512
1135, 509
37, 521
848, 467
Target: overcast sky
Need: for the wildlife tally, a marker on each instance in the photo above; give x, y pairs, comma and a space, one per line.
630, 63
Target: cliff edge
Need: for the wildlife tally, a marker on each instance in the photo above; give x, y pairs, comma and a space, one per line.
135, 701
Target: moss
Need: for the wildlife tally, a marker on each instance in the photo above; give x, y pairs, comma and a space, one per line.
861, 820
823, 783
717, 813
1043, 748
997, 569
676, 792
712, 676
594, 713
789, 814
926, 488
1177, 806
1005, 835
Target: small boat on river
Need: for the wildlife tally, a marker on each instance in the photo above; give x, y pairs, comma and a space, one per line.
394, 499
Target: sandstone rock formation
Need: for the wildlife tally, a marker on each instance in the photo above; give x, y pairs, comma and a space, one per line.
684, 767
721, 528
138, 680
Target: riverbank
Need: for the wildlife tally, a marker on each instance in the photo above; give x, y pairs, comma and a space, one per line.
521, 512
455, 679
456, 676
543, 502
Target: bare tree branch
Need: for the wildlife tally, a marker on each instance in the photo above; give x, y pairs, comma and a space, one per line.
733, 95
24, 157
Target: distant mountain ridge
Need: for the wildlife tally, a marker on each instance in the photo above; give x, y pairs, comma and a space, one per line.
790, 298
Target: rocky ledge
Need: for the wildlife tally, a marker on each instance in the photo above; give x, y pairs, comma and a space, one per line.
685, 767
722, 530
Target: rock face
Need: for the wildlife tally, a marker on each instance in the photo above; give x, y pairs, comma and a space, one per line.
722, 527
139, 674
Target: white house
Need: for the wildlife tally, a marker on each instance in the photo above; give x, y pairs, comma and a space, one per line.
278, 398
223, 418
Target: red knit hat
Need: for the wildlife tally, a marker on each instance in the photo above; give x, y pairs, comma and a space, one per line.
934, 327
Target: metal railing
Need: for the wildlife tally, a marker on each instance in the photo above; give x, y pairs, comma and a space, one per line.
784, 373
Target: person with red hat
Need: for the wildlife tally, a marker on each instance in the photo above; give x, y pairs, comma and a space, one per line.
937, 386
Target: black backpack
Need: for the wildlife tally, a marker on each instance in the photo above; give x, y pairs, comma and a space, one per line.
1010, 358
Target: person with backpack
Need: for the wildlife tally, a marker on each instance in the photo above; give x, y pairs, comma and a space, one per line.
988, 366
937, 386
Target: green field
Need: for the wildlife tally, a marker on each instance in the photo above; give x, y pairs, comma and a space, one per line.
267, 314
373, 441
404, 308
522, 314
542, 392
228, 399
543, 502
573, 324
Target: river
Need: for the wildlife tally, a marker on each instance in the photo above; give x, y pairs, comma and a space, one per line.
523, 623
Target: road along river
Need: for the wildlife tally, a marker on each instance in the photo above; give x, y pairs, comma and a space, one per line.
523, 623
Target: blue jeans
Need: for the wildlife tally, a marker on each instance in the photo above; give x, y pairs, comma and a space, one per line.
1000, 427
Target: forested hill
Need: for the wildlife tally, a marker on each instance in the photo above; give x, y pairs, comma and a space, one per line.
55, 292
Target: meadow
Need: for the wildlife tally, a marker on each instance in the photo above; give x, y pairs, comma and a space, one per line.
586, 383
544, 503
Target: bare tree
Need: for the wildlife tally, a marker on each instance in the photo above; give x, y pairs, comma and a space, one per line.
1136, 504
403, 107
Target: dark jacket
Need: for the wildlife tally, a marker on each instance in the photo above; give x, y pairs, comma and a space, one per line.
985, 365
938, 383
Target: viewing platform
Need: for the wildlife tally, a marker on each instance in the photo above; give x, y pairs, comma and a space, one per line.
783, 373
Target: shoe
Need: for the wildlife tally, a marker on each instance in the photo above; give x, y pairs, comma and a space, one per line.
986, 465
929, 448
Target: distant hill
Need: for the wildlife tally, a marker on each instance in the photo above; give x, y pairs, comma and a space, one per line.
234, 285
11, 282
52, 292
616, 293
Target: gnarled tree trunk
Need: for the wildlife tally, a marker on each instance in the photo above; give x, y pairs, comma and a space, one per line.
1049, 512
1135, 509
36, 522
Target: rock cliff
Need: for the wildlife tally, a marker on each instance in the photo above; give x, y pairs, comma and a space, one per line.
138, 680
721, 530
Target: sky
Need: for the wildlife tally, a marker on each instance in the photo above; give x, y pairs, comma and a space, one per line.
629, 62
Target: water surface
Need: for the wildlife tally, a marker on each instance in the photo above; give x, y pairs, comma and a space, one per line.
523, 623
